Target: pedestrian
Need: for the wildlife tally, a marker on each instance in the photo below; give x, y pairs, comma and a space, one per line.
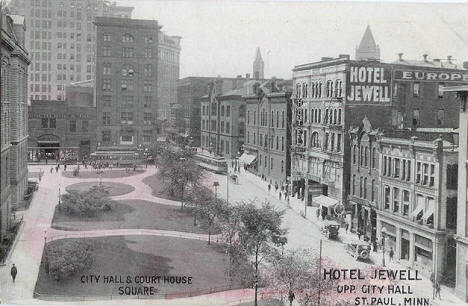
291, 297
51, 169
65, 167
359, 234
391, 254
269, 187
276, 186
347, 226
13, 272
56, 168
280, 195
46, 160
437, 288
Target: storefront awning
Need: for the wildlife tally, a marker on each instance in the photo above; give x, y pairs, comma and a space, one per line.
324, 201
428, 213
247, 158
417, 211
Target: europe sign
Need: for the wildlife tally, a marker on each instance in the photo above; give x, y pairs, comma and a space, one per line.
368, 84
443, 76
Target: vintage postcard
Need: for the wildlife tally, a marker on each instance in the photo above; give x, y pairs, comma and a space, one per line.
235, 153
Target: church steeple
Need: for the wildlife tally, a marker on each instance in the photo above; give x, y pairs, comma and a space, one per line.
368, 49
258, 66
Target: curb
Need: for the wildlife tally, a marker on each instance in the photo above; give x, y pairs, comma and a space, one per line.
13, 246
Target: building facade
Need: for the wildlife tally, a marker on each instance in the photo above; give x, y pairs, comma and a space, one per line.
126, 81
416, 215
14, 123
61, 38
461, 237
268, 131
168, 75
332, 95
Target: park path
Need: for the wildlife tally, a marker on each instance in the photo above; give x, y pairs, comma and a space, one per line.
27, 250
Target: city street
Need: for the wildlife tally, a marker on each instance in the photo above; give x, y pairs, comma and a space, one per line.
305, 232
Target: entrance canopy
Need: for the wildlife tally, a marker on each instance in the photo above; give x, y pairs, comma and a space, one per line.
428, 213
247, 158
324, 201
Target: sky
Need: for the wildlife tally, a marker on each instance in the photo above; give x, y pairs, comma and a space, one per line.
219, 37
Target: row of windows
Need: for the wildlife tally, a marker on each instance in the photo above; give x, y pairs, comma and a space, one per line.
214, 110
127, 38
314, 90
127, 52
127, 85
126, 118
397, 168
365, 191
332, 141
106, 136
128, 70
272, 162
127, 101
363, 156
262, 141
396, 200
224, 145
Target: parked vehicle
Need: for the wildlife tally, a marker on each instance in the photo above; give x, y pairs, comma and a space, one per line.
330, 229
359, 250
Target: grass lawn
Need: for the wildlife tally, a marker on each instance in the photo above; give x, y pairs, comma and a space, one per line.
115, 189
135, 214
108, 173
157, 187
123, 256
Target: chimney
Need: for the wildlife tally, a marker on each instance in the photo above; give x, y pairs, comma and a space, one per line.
465, 65
345, 56
425, 57
400, 57
247, 76
449, 59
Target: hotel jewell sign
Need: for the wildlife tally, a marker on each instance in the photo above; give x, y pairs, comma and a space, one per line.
368, 84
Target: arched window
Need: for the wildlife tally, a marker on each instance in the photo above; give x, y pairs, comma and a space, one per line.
373, 191
366, 157
319, 89
354, 154
365, 188
373, 158
361, 156
127, 38
312, 89
339, 116
315, 140
354, 184
334, 116
360, 186
304, 90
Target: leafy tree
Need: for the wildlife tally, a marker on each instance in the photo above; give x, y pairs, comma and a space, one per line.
260, 234
230, 221
199, 195
66, 257
86, 203
210, 210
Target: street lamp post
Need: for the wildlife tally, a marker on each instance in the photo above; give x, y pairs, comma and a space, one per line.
383, 232
215, 185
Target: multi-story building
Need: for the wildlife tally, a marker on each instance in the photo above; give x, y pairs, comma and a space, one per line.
417, 212
61, 38
223, 118
190, 90
68, 125
14, 123
461, 237
268, 131
126, 81
332, 95
168, 75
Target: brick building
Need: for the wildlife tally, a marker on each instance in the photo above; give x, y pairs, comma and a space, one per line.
61, 126
61, 38
332, 95
268, 135
416, 212
126, 81
14, 123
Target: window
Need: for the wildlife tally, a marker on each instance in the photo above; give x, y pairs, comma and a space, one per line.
365, 188
387, 197
127, 38
227, 127
148, 40
396, 172
84, 125
148, 52
45, 123
373, 191
418, 172
415, 89
405, 202
148, 70
147, 101
282, 119
431, 175
106, 69
147, 118
72, 125
415, 117
107, 51
228, 111
147, 87
106, 118
127, 52
126, 85
396, 200
106, 136
106, 100
440, 90
282, 143
425, 174
106, 85
440, 117
126, 117
282, 166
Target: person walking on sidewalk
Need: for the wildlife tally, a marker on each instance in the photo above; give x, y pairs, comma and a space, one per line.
280, 195
269, 187
13, 272
437, 290
391, 254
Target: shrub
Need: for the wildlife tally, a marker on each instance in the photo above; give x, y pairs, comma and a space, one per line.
64, 259
86, 203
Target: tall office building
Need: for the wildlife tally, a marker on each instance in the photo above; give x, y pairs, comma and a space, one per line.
126, 81
61, 39
168, 74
